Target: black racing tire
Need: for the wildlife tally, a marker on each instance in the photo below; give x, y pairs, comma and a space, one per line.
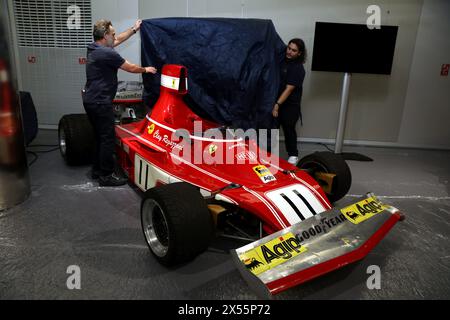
329, 162
76, 139
176, 222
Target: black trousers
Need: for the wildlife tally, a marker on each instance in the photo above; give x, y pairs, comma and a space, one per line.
288, 116
101, 117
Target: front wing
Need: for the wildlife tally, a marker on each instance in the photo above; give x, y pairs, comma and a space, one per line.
318, 245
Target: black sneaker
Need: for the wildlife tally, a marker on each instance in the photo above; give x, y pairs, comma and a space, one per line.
95, 174
112, 181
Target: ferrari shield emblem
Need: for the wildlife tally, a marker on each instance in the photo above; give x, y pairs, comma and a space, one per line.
151, 128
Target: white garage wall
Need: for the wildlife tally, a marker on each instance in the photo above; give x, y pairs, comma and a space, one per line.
123, 15
376, 101
48, 54
426, 116
56, 78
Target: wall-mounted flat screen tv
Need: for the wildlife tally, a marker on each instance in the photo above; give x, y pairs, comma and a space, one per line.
354, 48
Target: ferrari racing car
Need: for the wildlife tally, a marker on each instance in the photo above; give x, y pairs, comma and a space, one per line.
196, 185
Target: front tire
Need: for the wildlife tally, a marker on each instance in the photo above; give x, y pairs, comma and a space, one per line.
176, 222
328, 162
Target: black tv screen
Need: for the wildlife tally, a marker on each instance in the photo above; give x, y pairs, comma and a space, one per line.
354, 48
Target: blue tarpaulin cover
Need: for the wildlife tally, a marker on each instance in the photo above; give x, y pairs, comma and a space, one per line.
233, 65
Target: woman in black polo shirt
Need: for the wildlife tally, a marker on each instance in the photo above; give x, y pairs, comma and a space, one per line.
287, 108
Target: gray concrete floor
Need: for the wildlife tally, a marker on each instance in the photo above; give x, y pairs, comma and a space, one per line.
69, 220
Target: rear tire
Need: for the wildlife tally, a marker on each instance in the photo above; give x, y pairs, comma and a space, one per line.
328, 162
176, 222
76, 139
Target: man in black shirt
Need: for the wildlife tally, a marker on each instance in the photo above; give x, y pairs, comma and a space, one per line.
102, 65
288, 106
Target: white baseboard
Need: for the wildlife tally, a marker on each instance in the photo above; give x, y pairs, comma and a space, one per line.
48, 126
365, 143
358, 143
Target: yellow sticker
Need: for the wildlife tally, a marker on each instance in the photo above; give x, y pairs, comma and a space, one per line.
261, 171
272, 253
151, 128
264, 174
363, 210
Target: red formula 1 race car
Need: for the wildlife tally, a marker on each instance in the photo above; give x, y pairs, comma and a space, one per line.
200, 179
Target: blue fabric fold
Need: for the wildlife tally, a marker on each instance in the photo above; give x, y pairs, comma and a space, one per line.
233, 65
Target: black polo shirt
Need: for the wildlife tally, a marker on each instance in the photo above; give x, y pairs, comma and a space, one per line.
292, 73
101, 74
